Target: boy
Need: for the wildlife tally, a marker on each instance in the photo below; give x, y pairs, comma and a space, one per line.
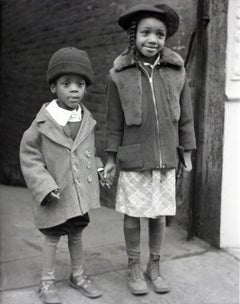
58, 162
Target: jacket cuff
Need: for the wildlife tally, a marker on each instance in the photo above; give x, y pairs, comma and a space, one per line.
99, 162
43, 190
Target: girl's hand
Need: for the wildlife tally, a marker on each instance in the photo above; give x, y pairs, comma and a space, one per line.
181, 168
109, 172
188, 161
110, 168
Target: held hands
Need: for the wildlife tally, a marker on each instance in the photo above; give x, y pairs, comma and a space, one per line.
108, 174
54, 195
181, 168
102, 180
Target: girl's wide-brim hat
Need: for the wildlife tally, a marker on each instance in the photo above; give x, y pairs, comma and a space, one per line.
161, 11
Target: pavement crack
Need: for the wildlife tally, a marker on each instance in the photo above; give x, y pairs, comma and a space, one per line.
33, 245
183, 256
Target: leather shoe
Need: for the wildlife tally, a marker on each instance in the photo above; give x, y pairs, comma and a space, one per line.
85, 285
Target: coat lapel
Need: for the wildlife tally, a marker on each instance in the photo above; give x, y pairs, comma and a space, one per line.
128, 80
61, 135
87, 125
168, 57
52, 129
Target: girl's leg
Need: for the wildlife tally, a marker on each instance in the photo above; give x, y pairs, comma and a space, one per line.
132, 236
157, 229
136, 281
78, 280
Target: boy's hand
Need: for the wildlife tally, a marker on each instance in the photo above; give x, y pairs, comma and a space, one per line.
55, 194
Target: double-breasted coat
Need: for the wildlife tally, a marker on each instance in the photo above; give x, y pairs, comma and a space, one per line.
50, 160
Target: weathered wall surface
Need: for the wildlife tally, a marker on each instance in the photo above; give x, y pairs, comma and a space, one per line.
230, 207
32, 30
210, 104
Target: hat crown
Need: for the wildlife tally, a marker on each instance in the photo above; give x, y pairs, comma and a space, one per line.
69, 60
161, 11
68, 54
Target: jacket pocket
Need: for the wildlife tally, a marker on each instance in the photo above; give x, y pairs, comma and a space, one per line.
130, 157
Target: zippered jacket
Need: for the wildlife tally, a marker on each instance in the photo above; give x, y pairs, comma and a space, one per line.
149, 112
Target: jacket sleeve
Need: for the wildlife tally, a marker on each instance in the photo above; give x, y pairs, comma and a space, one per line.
38, 179
99, 162
186, 126
114, 118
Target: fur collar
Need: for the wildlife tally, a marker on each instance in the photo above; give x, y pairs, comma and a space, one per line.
170, 57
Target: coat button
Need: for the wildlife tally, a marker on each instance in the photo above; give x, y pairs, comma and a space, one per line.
89, 178
88, 153
164, 166
89, 165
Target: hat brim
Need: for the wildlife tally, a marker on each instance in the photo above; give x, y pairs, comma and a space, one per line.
162, 11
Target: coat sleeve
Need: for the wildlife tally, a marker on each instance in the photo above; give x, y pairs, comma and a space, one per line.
186, 126
38, 179
114, 118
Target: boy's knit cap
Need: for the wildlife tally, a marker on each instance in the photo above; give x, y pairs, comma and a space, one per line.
70, 60
161, 11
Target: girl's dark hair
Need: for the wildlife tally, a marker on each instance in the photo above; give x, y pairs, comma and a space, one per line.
132, 30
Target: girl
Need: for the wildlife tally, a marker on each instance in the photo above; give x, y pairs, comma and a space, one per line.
149, 128
58, 162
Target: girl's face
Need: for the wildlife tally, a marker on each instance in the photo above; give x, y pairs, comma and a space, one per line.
70, 90
150, 37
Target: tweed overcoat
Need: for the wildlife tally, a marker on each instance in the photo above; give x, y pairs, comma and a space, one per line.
50, 160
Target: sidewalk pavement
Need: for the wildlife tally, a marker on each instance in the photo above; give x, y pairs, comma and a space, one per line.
199, 273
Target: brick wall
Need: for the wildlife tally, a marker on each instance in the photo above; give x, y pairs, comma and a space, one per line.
32, 30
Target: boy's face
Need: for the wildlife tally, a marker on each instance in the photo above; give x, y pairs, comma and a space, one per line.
70, 90
150, 37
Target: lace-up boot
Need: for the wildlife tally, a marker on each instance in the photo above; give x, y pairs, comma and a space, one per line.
136, 281
153, 273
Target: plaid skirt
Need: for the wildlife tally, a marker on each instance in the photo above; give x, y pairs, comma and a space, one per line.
148, 194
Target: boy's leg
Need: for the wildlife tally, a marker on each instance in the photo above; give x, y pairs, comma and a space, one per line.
76, 253
136, 281
157, 229
49, 256
78, 280
47, 291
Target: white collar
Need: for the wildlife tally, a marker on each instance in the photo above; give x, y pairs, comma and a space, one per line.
63, 116
156, 62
